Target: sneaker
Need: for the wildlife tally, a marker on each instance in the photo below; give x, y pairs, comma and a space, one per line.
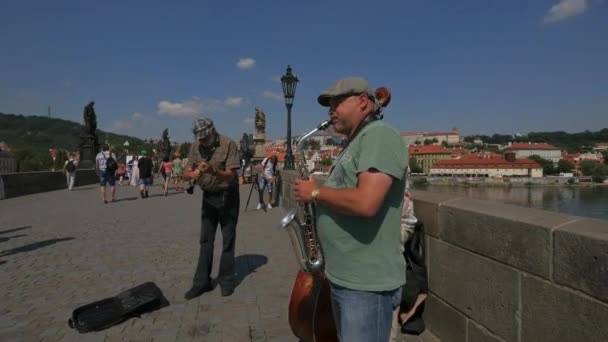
197, 291
268, 206
259, 206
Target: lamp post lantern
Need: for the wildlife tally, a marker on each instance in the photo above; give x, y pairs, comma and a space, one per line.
289, 82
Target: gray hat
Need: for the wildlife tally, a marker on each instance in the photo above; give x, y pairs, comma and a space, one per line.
202, 127
347, 86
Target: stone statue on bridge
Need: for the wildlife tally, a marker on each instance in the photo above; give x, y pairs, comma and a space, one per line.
259, 137
89, 145
90, 119
260, 121
165, 145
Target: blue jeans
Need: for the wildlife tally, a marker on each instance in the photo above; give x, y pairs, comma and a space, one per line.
106, 177
363, 316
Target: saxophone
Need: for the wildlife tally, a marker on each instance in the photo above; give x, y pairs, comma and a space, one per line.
303, 230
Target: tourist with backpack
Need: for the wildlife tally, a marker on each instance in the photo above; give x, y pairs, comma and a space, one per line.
106, 166
145, 168
69, 167
266, 180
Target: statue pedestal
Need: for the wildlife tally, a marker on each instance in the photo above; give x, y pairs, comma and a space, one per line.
88, 149
260, 151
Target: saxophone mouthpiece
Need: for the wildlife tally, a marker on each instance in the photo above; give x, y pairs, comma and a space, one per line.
324, 125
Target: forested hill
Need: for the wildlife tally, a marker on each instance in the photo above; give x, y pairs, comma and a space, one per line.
572, 142
40, 133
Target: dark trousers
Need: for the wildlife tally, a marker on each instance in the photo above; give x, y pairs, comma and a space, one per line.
226, 214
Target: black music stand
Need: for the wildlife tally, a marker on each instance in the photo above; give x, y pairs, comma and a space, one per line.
254, 184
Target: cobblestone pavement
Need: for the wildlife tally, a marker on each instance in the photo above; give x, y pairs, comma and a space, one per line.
63, 249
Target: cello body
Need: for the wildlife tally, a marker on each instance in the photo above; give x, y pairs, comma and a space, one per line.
310, 314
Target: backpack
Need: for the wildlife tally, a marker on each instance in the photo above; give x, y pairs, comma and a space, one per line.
70, 167
274, 167
111, 164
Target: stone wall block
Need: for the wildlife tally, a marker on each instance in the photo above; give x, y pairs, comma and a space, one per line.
552, 313
482, 289
444, 322
581, 257
476, 333
517, 236
426, 208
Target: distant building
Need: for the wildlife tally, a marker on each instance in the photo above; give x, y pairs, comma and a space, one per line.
427, 155
451, 138
524, 150
577, 158
487, 166
8, 163
603, 146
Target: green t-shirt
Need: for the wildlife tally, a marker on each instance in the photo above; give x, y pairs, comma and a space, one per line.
364, 253
177, 166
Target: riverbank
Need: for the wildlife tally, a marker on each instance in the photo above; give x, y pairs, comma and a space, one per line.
550, 181
574, 199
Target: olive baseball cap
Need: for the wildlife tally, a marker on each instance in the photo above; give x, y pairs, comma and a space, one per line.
202, 127
347, 86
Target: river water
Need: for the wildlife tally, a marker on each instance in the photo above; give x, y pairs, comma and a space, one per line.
573, 200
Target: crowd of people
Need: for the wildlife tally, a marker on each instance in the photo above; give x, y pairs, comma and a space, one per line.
139, 171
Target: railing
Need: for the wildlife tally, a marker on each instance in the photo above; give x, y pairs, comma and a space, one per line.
24, 183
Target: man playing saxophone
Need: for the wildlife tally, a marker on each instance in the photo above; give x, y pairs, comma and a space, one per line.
358, 212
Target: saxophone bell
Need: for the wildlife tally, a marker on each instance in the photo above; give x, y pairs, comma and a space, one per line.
297, 234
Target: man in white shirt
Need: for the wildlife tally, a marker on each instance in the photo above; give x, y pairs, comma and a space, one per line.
266, 179
69, 167
106, 175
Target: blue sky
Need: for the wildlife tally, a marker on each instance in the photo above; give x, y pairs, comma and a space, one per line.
482, 66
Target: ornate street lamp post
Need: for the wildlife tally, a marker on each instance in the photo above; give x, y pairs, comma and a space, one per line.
289, 82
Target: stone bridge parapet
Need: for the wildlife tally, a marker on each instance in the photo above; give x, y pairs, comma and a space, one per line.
502, 272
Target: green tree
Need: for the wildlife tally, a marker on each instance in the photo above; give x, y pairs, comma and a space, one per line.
547, 165
444, 144
184, 149
414, 167
587, 167
312, 145
60, 159
599, 173
428, 142
326, 161
605, 155
564, 166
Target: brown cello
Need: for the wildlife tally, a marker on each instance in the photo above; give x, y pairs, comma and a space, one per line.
310, 313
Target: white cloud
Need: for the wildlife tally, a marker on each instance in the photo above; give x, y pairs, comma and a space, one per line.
233, 101
137, 116
245, 63
135, 120
248, 121
180, 109
565, 9
122, 125
196, 106
272, 95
